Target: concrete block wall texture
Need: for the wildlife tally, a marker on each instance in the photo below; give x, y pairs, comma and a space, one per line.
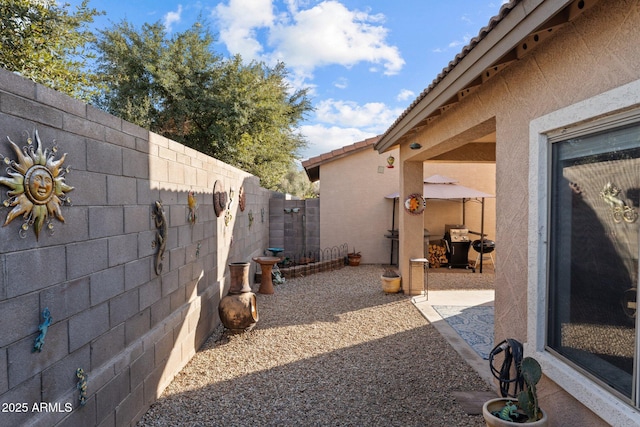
295, 226
129, 329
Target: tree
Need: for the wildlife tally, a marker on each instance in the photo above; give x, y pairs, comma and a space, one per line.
242, 114
42, 41
297, 182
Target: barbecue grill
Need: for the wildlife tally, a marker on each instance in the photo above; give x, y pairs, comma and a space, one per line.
483, 247
456, 239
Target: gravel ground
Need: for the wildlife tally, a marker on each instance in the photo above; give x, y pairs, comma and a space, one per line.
329, 349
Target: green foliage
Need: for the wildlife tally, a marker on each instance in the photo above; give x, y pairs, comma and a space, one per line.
297, 183
44, 42
527, 409
241, 114
528, 398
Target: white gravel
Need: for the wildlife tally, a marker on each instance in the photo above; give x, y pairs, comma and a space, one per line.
329, 349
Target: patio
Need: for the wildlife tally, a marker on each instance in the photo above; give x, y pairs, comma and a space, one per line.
333, 349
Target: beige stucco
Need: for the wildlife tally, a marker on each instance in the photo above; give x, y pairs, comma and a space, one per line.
596, 52
353, 209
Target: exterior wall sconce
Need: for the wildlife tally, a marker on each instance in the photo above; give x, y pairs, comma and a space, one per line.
291, 210
415, 146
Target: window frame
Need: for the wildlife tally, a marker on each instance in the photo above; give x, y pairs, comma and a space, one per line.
610, 109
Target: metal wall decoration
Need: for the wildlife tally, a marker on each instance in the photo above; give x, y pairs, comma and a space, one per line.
43, 327
37, 187
227, 215
193, 206
242, 199
219, 198
82, 386
250, 218
619, 209
160, 242
415, 204
231, 194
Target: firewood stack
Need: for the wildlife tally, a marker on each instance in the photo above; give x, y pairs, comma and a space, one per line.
437, 256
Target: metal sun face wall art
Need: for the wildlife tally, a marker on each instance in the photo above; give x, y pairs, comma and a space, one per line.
37, 187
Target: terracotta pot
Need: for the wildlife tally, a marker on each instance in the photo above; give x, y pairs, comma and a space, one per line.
391, 285
354, 259
239, 312
497, 404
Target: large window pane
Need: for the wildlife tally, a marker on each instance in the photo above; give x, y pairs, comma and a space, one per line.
593, 259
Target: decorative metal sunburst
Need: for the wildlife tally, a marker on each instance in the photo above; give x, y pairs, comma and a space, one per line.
37, 187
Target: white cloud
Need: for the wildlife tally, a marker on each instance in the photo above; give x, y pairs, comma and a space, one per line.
172, 18
304, 39
374, 117
239, 21
341, 83
329, 33
323, 139
405, 94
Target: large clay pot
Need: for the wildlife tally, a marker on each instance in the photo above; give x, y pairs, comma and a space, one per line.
497, 404
239, 312
239, 277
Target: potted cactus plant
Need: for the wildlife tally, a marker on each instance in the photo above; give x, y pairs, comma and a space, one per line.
502, 412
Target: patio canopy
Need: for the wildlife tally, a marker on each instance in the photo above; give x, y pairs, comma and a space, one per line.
442, 187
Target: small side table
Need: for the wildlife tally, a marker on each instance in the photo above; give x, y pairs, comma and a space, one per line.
425, 283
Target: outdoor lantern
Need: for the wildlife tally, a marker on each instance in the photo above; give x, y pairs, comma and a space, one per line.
390, 161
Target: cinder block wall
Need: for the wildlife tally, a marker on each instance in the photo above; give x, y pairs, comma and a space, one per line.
294, 226
128, 328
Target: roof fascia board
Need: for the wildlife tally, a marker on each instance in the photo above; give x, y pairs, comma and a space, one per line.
523, 19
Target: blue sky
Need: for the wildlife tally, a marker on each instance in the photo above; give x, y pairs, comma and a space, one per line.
364, 61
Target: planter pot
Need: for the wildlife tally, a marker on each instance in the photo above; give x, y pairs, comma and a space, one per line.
354, 260
497, 404
391, 285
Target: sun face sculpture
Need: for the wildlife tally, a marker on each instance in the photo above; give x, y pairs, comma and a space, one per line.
37, 187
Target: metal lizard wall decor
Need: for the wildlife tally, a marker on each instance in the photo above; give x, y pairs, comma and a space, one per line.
161, 235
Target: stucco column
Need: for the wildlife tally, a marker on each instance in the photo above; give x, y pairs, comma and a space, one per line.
411, 229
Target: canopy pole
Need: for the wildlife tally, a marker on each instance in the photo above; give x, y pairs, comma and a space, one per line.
463, 211
393, 227
482, 235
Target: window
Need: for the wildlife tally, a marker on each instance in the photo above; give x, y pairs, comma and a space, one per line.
583, 251
593, 255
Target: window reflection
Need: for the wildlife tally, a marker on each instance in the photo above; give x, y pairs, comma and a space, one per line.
595, 195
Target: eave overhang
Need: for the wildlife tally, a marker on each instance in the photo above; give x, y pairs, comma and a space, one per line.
520, 27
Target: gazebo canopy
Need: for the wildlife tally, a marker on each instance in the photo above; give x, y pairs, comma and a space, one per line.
442, 187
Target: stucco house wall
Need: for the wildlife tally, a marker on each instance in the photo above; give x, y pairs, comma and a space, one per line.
129, 329
352, 205
597, 52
